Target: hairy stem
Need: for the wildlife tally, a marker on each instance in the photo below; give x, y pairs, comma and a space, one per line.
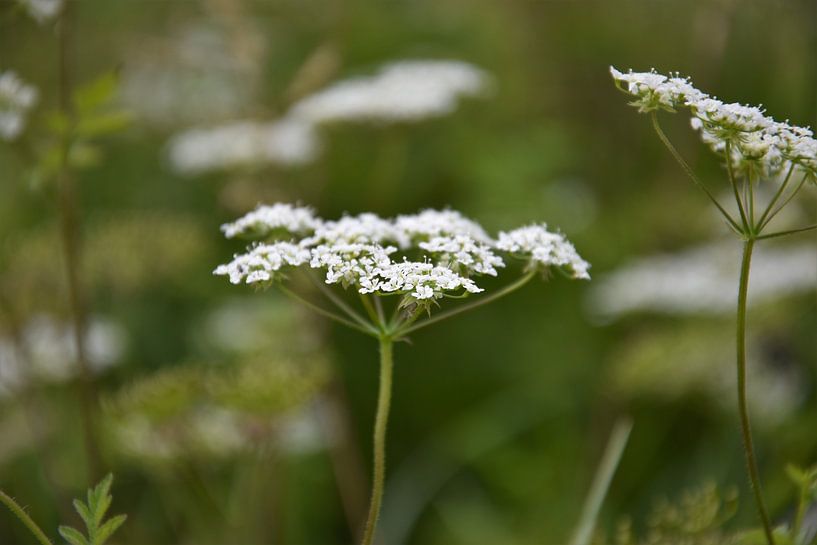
601, 482
380, 424
510, 288
748, 445
69, 232
689, 172
20, 513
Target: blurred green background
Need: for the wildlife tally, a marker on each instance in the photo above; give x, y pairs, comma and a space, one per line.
230, 416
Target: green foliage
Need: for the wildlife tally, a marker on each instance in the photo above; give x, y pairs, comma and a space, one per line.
98, 528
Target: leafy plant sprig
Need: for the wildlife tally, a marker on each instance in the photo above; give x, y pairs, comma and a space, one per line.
98, 528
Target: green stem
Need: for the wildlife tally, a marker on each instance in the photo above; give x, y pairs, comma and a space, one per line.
777, 195
601, 482
332, 296
689, 172
20, 513
367, 304
510, 288
328, 313
789, 232
748, 445
380, 424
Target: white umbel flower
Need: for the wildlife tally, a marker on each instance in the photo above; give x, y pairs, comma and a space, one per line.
16, 99
544, 249
756, 142
436, 223
464, 253
262, 221
366, 228
402, 91
422, 257
262, 262
287, 142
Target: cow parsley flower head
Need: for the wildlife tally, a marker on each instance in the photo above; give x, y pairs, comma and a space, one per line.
16, 99
266, 220
544, 249
423, 257
400, 91
263, 262
756, 143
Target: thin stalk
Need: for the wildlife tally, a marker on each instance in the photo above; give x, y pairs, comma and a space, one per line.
380, 425
734, 182
378, 305
777, 196
20, 513
510, 288
367, 304
332, 296
601, 482
784, 233
689, 172
785, 202
746, 431
328, 313
69, 231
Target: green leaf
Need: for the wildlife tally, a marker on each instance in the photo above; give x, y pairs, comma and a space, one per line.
96, 93
72, 536
84, 513
106, 530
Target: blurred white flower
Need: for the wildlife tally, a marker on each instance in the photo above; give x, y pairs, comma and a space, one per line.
16, 99
704, 280
409, 90
51, 353
42, 10
243, 143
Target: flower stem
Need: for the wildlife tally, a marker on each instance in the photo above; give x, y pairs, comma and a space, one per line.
327, 313
477, 303
748, 445
689, 172
20, 513
380, 424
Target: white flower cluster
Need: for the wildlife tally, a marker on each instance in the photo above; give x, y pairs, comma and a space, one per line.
702, 280
756, 141
16, 99
42, 10
441, 251
544, 249
242, 143
400, 92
